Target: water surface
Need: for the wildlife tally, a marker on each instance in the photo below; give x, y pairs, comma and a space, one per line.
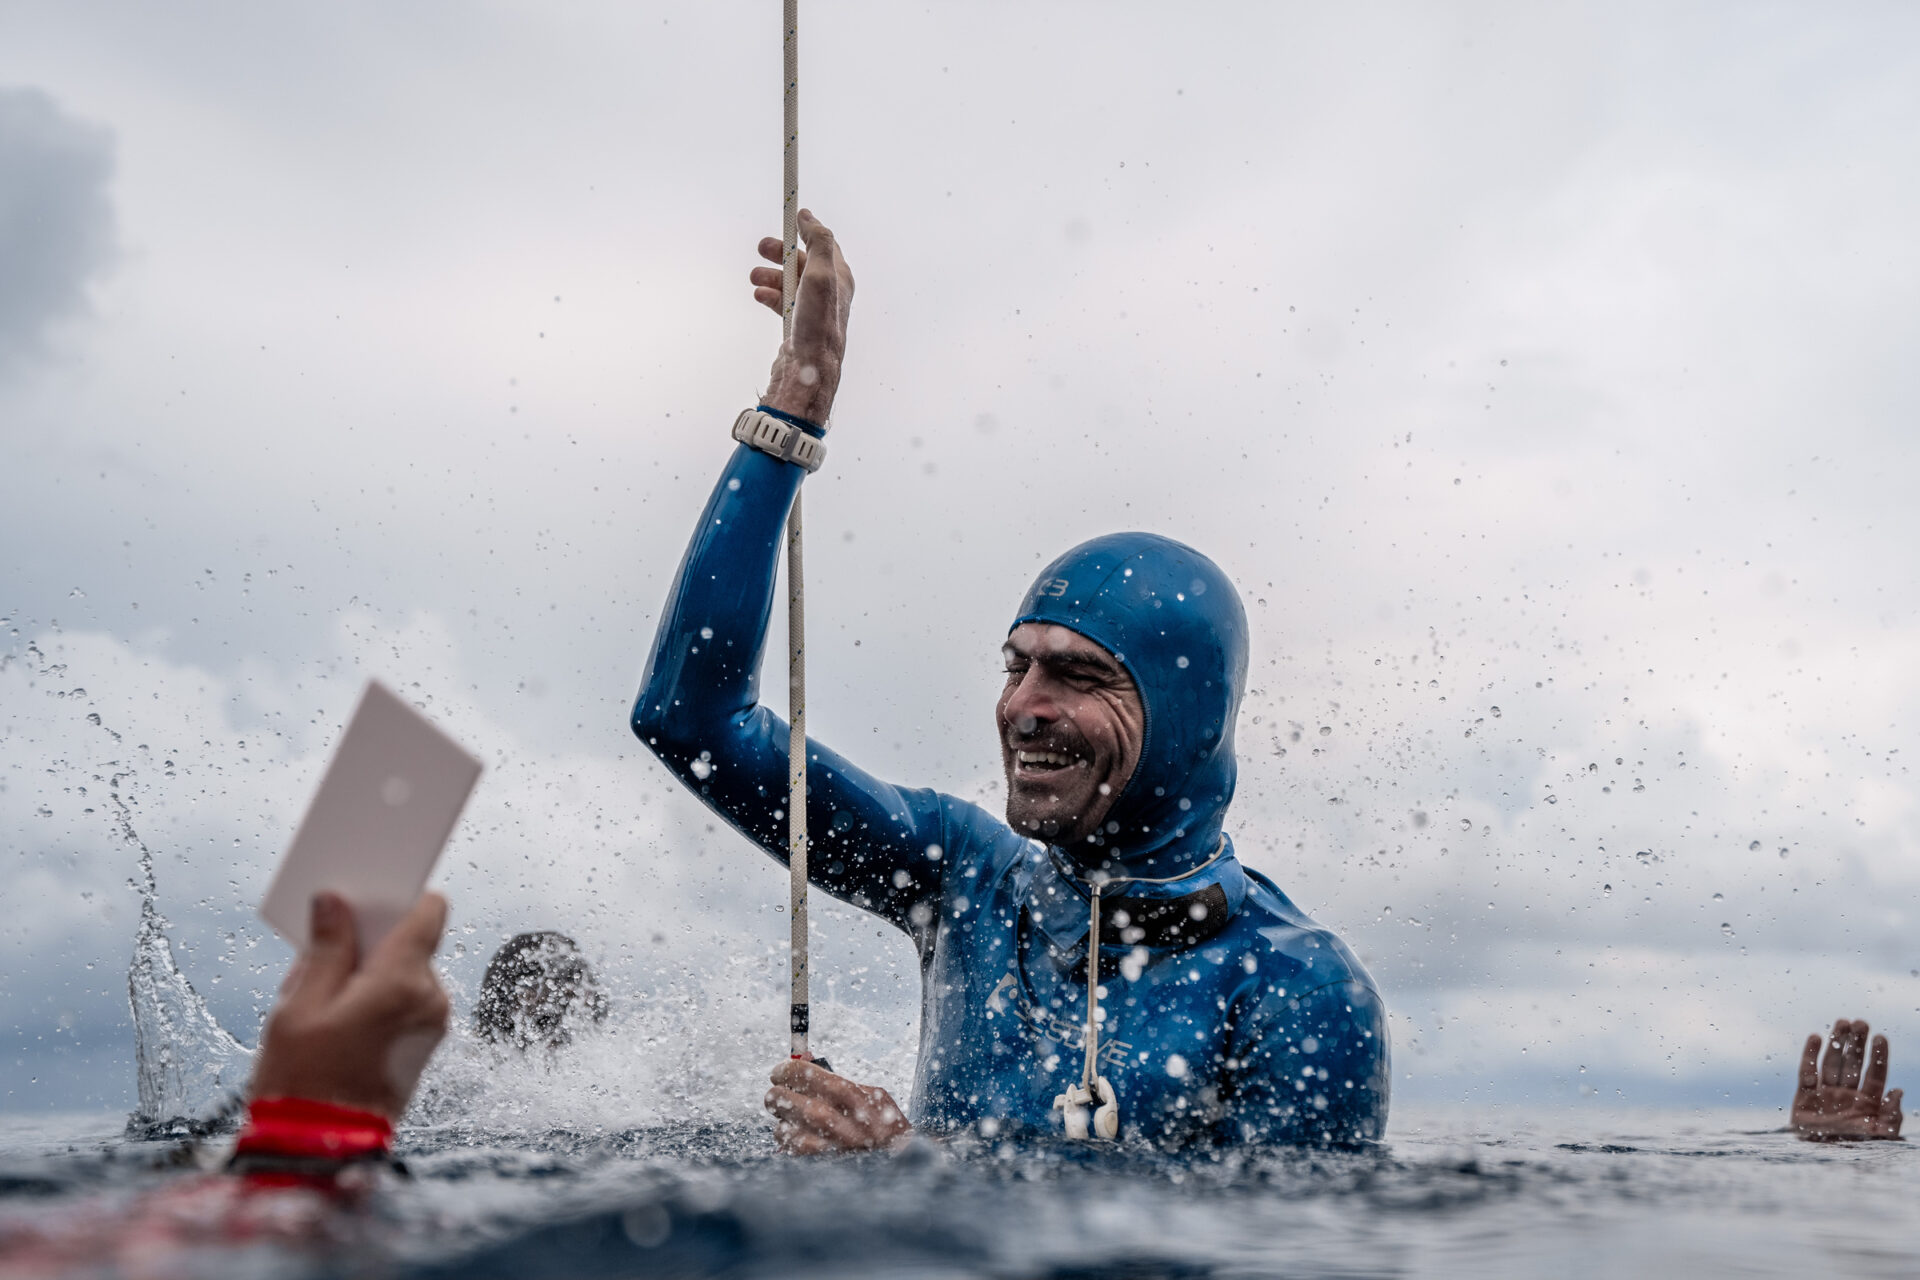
1574, 1192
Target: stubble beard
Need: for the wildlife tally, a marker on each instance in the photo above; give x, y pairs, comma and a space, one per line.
1043, 813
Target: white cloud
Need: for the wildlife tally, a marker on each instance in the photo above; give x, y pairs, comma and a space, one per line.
56, 219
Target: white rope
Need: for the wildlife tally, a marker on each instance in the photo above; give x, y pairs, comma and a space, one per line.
799, 1014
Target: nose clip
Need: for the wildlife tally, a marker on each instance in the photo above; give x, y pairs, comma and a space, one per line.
1105, 1120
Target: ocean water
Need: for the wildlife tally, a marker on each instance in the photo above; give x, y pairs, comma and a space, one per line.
1585, 1191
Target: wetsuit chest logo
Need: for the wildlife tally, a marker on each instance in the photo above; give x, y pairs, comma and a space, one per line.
1009, 999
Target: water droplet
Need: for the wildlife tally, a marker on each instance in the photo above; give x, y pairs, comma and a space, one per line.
1466, 824
1496, 713
1326, 731
1726, 928
1719, 897
1181, 662
1753, 847
706, 633
1606, 891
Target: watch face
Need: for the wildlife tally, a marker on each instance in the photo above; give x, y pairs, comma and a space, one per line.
779, 439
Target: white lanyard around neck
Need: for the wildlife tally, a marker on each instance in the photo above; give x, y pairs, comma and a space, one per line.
1093, 1087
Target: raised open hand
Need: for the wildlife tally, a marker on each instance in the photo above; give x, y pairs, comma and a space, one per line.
806, 373
1841, 1097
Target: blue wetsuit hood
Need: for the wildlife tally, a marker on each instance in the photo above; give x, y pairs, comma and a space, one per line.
1174, 621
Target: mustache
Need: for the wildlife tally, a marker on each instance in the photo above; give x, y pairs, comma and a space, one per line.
1054, 737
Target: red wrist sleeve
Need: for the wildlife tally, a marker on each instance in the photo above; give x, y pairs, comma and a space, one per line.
313, 1130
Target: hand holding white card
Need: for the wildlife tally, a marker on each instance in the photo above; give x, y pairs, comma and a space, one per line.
378, 822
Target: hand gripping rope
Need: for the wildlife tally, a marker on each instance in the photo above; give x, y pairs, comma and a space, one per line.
796, 589
1093, 1089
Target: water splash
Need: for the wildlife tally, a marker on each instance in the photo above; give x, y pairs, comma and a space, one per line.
693, 1051
188, 1066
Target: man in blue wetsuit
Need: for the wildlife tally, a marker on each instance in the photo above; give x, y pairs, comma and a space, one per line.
1221, 1013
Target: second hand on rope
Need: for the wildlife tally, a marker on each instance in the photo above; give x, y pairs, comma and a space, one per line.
796, 595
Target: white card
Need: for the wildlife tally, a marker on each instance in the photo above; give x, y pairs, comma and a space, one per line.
378, 822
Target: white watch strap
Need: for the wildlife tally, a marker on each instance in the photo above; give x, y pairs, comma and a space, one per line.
783, 440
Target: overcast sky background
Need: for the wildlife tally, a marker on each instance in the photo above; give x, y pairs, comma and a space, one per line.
1543, 375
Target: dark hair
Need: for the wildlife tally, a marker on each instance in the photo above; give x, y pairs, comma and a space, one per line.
535, 987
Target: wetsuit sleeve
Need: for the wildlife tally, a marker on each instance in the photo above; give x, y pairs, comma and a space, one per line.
1312, 1069
699, 711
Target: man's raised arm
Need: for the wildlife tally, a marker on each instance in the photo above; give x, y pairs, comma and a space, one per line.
699, 705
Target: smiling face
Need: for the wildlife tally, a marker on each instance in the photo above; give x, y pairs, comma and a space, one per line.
1071, 722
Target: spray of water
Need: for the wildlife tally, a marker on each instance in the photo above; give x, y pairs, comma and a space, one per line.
692, 1052
690, 1038
188, 1065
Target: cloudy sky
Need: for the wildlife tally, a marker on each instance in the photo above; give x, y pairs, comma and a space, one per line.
1543, 376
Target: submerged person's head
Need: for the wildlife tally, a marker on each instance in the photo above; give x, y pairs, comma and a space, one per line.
537, 988
1124, 672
